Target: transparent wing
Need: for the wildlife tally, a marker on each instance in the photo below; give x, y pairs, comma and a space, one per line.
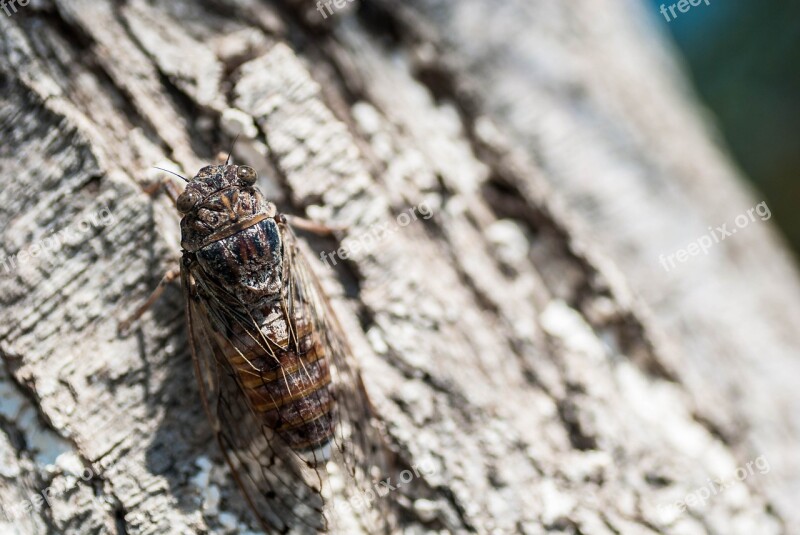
284, 492
359, 447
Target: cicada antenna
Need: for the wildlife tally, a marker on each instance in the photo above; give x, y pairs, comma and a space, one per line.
172, 173
228, 159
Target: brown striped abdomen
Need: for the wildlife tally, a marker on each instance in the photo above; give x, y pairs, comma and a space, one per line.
288, 384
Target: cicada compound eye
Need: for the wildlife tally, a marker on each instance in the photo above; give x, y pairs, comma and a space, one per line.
247, 175
187, 201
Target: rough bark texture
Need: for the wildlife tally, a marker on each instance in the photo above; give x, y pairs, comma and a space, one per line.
523, 342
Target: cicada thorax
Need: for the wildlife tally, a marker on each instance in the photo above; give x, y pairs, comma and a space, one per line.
234, 242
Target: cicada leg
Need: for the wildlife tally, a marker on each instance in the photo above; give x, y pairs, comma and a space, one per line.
170, 276
313, 227
167, 185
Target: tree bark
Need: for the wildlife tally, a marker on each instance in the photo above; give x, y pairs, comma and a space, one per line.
506, 176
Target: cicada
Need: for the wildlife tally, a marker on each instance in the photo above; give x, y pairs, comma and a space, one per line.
273, 365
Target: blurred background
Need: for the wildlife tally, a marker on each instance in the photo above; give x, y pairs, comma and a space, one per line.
744, 58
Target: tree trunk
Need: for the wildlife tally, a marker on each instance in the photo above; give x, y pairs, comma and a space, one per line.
506, 175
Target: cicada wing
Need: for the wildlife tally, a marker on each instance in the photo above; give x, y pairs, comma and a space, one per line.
358, 443
284, 493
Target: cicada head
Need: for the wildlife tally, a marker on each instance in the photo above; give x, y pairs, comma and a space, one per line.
219, 201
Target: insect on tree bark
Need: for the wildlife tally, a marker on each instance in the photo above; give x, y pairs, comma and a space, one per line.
272, 362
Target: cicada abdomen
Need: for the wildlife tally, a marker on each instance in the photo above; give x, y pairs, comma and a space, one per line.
271, 361
288, 384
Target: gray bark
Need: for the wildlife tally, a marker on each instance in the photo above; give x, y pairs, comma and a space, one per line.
523, 343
